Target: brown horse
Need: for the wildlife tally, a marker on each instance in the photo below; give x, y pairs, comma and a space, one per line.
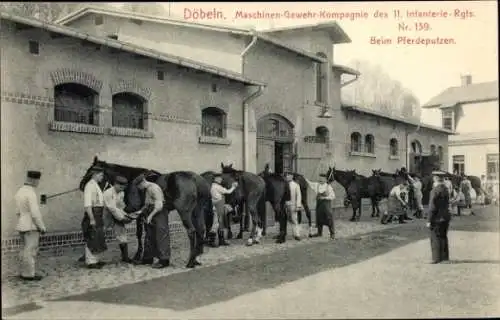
253, 189
186, 192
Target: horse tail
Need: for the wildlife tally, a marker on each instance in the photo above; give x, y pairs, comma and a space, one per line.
172, 189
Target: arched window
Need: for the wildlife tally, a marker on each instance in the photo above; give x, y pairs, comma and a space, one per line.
433, 149
74, 102
128, 110
369, 143
322, 134
393, 145
321, 85
356, 142
416, 147
213, 122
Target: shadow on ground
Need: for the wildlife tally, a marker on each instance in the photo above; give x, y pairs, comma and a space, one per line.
209, 285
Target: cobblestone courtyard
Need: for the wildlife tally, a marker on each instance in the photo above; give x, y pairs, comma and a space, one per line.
265, 265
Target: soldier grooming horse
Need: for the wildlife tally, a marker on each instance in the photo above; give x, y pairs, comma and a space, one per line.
253, 189
186, 192
300, 179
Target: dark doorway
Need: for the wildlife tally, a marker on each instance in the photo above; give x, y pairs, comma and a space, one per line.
278, 157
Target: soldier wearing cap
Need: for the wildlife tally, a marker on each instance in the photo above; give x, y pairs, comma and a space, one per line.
30, 224
157, 237
93, 220
324, 211
439, 218
115, 216
220, 224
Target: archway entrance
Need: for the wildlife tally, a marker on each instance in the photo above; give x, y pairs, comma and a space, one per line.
275, 139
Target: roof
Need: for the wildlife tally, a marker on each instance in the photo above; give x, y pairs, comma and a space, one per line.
476, 92
179, 22
345, 69
332, 27
393, 118
480, 135
120, 45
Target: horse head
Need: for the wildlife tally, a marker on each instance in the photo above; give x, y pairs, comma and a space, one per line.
108, 179
330, 175
376, 172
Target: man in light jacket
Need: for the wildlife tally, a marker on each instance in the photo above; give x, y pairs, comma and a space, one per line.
294, 205
30, 225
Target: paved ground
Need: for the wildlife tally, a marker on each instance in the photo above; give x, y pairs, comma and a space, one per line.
380, 274
64, 276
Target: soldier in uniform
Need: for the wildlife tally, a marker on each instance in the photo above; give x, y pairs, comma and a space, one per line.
115, 216
93, 220
324, 211
220, 224
157, 242
293, 206
439, 218
30, 225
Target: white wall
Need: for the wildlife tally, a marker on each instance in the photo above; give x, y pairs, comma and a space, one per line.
475, 157
432, 116
478, 117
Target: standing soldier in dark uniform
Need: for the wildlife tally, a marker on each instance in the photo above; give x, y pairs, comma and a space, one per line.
439, 218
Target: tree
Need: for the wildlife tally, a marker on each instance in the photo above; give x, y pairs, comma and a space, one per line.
148, 8
46, 11
375, 89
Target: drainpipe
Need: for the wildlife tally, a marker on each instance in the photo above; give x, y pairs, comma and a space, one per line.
246, 102
252, 43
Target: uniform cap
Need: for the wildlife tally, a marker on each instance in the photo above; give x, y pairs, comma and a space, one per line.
34, 174
140, 179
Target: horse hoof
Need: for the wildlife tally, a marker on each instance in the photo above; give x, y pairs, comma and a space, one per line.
229, 235
352, 219
249, 242
191, 265
239, 236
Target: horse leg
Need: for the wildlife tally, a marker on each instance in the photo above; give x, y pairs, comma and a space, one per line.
377, 206
355, 202
308, 215
191, 233
360, 206
139, 232
199, 225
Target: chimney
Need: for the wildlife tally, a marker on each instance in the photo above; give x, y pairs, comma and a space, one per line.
466, 80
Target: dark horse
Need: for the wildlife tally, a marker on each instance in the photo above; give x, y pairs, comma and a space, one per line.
302, 182
253, 189
358, 187
277, 193
186, 192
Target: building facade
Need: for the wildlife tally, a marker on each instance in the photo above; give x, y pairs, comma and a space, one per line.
471, 110
148, 107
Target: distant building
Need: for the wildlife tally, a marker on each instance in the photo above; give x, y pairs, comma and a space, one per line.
471, 110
